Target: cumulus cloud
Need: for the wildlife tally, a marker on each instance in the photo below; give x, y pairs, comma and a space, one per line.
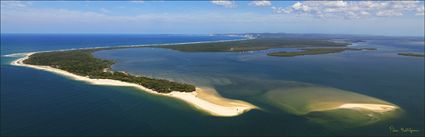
99, 19
14, 4
54, 20
224, 3
353, 9
420, 11
138, 1
261, 3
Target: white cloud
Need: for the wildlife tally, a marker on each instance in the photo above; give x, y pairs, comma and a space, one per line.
353, 9
420, 11
104, 10
14, 4
364, 13
388, 13
281, 10
138, 1
66, 17
65, 20
29, 19
224, 3
261, 3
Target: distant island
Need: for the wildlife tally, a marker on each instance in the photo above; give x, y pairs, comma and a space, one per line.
308, 46
314, 51
412, 54
261, 43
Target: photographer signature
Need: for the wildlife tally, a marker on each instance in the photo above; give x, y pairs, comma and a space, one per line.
402, 130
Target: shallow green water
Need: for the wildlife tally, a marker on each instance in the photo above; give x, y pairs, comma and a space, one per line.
358, 76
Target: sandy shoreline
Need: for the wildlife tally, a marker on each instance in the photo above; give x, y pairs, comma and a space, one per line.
373, 107
381, 108
202, 99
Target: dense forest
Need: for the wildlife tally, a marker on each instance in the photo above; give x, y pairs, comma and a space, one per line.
314, 51
412, 54
82, 62
253, 45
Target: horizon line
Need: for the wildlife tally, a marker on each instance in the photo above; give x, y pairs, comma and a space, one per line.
85, 33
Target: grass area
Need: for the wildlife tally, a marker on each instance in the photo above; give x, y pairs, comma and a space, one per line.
314, 51
412, 54
253, 45
83, 63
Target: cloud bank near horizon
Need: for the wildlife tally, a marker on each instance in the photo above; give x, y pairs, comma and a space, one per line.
356, 17
353, 9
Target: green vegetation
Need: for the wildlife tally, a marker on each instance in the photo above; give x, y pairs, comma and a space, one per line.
82, 62
412, 54
253, 45
313, 51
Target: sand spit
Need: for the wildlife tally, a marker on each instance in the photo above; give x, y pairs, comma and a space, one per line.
203, 99
372, 107
380, 108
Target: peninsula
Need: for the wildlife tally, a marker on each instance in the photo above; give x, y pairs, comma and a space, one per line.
82, 62
82, 66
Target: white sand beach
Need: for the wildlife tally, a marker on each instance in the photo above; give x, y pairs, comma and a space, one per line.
203, 99
381, 108
373, 107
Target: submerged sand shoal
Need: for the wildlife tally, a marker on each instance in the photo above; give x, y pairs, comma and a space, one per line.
334, 108
205, 99
303, 100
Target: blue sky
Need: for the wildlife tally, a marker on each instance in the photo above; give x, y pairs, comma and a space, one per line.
400, 18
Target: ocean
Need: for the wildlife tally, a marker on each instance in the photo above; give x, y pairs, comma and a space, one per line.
41, 103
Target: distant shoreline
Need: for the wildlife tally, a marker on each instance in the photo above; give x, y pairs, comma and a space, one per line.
123, 46
200, 99
411, 54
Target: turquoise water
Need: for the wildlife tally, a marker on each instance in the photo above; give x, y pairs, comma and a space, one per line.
40, 103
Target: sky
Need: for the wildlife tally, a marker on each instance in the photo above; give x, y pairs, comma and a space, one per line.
390, 18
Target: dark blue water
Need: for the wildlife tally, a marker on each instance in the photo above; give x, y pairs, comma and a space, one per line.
40, 103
